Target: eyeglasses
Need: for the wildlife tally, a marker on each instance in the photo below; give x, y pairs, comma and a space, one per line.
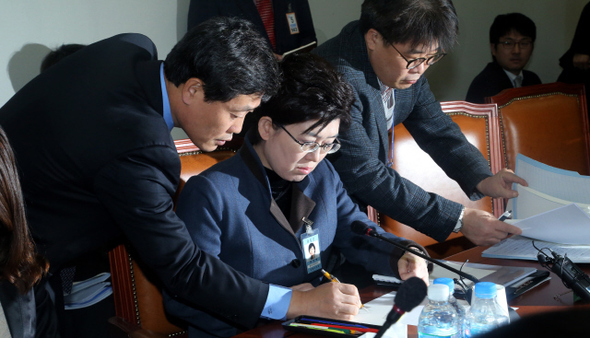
417, 62
509, 44
310, 147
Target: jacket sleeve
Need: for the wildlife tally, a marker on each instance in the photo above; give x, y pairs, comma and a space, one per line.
371, 182
440, 137
137, 191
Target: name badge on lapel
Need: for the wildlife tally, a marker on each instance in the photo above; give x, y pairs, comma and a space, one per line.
292, 21
310, 242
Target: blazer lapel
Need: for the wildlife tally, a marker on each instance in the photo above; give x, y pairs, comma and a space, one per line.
253, 163
373, 89
301, 206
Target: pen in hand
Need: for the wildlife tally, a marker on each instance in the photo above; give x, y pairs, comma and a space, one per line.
506, 215
330, 277
333, 279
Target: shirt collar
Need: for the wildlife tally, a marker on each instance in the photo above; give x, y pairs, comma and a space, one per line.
165, 100
511, 75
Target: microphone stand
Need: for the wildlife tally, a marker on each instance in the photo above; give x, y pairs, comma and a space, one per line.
373, 233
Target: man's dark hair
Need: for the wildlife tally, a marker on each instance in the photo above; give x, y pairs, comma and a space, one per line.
229, 56
418, 22
58, 54
311, 89
505, 23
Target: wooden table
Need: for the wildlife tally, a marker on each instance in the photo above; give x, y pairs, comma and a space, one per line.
549, 296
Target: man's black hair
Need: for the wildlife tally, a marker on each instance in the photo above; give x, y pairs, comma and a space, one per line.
505, 23
229, 56
311, 89
418, 22
58, 54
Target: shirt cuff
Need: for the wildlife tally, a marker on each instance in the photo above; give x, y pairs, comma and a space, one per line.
277, 302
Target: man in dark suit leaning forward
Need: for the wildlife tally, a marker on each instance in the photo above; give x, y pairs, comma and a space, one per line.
384, 57
92, 141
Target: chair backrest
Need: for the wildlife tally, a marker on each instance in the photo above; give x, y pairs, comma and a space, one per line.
137, 294
479, 123
547, 122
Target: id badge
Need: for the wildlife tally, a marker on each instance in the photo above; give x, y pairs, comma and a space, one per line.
310, 242
292, 21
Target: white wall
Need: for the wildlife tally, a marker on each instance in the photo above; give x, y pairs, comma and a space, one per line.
556, 22
30, 28
555, 19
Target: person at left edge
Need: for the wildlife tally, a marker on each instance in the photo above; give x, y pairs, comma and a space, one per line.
92, 142
253, 211
20, 265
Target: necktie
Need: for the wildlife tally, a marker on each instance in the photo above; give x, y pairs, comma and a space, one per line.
67, 279
265, 10
387, 96
518, 81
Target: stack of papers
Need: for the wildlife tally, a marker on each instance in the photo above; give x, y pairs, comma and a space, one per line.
88, 292
553, 211
549, 188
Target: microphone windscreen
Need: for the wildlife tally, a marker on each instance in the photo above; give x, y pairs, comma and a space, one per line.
411, 293
359, 227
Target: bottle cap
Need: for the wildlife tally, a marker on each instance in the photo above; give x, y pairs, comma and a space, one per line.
485, 290
438, 292
446, 281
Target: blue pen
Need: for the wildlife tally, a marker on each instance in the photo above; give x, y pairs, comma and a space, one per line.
332, 323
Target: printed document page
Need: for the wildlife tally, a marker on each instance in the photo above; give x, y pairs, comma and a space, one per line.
518, 247
549, 188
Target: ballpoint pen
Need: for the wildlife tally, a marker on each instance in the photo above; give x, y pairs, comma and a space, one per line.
330, 277
507, 214
333, 279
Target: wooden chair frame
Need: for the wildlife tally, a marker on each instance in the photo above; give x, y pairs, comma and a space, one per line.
455, 242
510, 100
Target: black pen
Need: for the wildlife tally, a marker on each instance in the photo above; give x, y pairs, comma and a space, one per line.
505, 215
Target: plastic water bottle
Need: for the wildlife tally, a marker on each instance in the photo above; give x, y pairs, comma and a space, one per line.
438, 318
485, 313
453, 301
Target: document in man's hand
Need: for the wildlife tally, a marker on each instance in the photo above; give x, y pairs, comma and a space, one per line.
555, 205
549, 188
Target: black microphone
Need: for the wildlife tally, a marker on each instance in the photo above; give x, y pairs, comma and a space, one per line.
361, 228
410, 294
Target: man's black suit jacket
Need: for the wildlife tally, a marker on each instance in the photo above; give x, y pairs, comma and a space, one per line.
97, 163
201, 10
492, 80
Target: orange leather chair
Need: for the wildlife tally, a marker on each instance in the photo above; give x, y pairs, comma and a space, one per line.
479, 123
138, 299
548, 123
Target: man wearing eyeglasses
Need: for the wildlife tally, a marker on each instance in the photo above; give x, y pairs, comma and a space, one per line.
384, 56
512, 40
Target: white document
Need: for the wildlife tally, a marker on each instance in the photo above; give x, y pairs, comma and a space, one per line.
379, 308
565, 225
549, 188
518, 247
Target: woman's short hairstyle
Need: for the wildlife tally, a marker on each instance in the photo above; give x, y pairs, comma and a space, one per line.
19, 262
311, 89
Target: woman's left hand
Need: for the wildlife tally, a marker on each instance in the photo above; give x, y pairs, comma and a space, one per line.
410, 265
